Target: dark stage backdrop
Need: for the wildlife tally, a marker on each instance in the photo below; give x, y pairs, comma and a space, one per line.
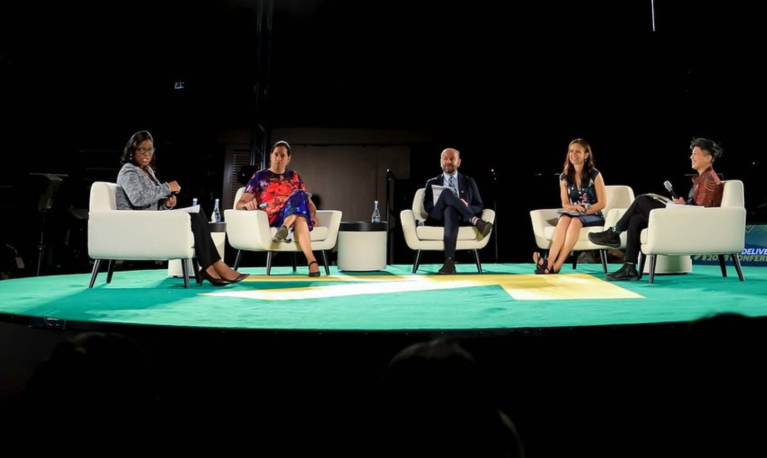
508, 85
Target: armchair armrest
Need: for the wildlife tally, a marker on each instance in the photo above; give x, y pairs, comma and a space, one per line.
540, 219
248, 230
488, 215
332, 220
407, 218
613, 215
696, 230
168, 234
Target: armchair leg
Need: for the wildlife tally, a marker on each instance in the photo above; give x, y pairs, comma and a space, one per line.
293, 261
185, 270
417, 259
722, 266
575, 259
269, 262
197, 272
476, 259
95, 272
736, 261
603, 257
237, 260
110, 270
642, 261
653, 258
325, 259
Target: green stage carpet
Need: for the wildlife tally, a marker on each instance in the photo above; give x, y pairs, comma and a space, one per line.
505, 296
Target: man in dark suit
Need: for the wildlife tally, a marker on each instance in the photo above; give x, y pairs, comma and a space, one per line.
459, 204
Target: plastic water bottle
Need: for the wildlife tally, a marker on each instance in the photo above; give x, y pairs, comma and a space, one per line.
216, 216
376, 214
194, 202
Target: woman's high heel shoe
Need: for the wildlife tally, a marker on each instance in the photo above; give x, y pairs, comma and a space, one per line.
239, 278
214, 281
314, 274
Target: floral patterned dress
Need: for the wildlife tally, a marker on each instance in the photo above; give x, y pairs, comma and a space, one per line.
280, 195
585, 196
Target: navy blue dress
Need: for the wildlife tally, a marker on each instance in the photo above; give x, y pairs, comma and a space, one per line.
585, 196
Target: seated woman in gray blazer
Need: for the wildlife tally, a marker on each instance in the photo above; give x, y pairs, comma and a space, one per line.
139, 189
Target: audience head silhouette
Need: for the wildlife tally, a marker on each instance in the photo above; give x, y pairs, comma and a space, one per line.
93, 371
436, 403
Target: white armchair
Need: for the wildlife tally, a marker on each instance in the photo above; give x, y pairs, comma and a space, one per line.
250, 231
135, 235
431, 237
619, 199
689, 230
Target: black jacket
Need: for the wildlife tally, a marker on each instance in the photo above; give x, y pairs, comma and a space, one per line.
467, 189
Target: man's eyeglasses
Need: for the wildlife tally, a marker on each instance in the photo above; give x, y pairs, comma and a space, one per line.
145, 150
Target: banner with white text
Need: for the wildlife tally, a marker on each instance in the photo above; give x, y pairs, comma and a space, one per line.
755, 253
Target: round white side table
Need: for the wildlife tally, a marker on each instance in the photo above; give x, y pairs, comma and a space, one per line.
362, 246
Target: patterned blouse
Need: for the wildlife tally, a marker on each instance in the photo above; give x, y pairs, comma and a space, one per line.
140, 191
584, 195
706, 189
273, 189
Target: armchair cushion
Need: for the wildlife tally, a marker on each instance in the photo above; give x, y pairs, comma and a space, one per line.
318, 233
582, 237
438, 233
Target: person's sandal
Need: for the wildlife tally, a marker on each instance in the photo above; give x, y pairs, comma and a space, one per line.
541, 263
549, 270
281, 235
314, 274
543, 267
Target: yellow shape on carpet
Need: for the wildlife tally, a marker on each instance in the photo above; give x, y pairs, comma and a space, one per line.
520, 287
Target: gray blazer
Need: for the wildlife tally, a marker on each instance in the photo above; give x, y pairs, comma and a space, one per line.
137, 191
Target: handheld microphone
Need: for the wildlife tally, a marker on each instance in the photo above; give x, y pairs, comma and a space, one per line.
670, 189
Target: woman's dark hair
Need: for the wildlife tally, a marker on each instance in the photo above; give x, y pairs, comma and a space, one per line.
278, 144
130, 148
709, 147
588, 164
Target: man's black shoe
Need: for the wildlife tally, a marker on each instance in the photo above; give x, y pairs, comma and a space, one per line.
626, 273
448, 267
484, 228
606, 238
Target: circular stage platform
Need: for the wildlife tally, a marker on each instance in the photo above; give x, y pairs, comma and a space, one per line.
566, 356
505, 297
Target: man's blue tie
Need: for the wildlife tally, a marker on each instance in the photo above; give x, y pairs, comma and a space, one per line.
451, 184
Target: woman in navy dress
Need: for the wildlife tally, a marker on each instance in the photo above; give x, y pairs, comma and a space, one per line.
582, 191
